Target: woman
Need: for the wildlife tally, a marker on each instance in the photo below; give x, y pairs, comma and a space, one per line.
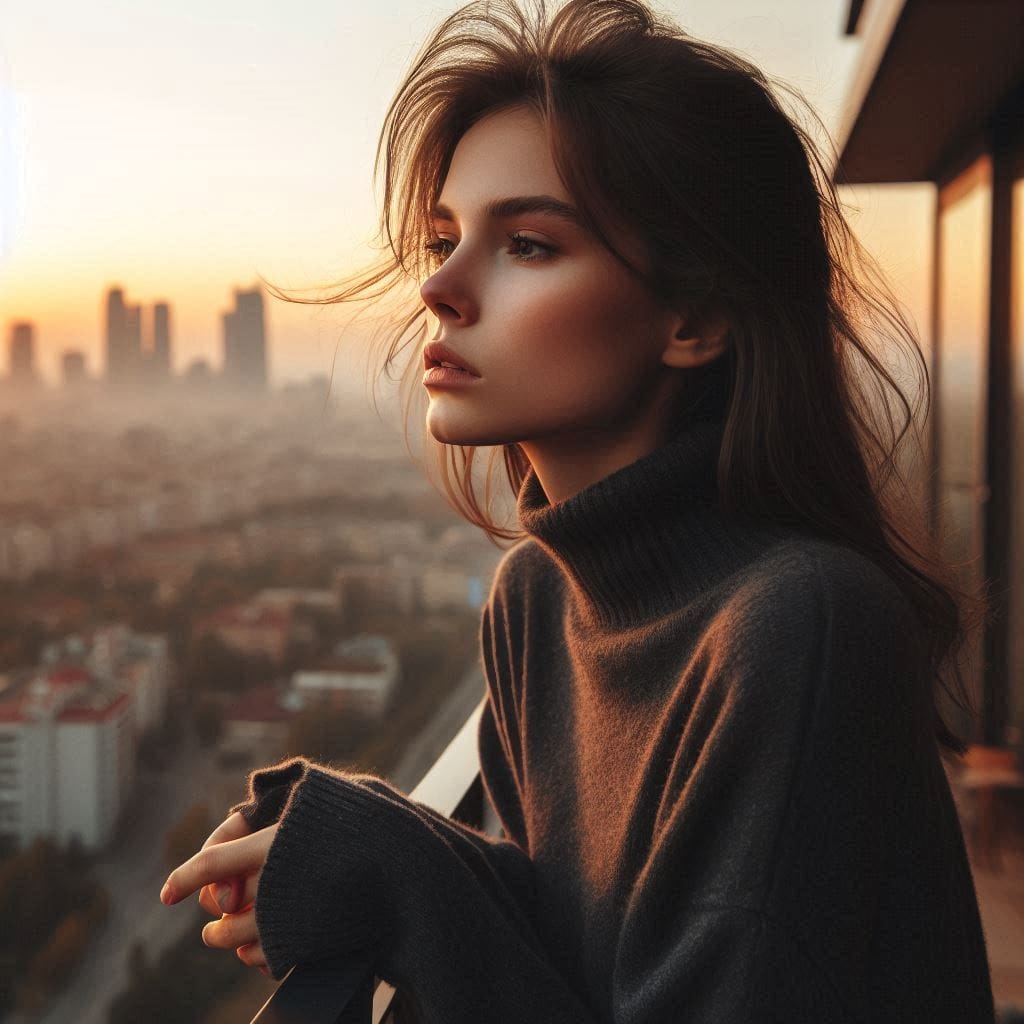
714, 659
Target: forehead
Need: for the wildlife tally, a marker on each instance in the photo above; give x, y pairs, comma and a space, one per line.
505, 153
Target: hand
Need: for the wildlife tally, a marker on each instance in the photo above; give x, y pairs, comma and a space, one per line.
232, 858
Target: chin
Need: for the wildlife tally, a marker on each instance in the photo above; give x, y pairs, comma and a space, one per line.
449, 434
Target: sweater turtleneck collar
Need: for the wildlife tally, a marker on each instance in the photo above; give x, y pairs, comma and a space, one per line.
649, 537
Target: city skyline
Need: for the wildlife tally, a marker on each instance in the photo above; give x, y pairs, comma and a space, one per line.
137, 347
244, 150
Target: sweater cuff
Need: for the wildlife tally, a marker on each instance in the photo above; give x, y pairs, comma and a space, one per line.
322, 891
269, 790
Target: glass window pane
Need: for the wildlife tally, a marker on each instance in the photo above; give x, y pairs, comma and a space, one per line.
964, 253
962, 387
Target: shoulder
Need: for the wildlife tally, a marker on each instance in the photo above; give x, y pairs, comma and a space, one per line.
806, 577
805, 595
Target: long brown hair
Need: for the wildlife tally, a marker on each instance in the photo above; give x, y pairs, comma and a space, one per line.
688, 146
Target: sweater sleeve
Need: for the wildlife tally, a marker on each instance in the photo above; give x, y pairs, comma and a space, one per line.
356, 865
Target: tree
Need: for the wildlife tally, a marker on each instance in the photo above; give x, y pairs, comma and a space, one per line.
52, 965
48, 891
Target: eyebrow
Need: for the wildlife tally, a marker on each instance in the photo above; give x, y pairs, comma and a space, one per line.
512, 206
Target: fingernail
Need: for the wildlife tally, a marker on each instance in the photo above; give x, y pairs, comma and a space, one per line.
165, 893
223, 896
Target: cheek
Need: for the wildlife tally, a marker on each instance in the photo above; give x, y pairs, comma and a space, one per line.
572, 318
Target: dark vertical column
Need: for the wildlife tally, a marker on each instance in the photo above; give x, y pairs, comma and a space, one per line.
934, 413
999, 464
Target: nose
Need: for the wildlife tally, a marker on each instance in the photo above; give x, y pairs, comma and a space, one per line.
447, 296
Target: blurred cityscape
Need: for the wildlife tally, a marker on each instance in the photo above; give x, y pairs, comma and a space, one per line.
199, 575
138, 351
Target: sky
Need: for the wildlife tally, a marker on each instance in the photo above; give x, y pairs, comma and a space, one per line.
179, 149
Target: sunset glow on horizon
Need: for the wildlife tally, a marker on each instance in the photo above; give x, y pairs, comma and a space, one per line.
180, 151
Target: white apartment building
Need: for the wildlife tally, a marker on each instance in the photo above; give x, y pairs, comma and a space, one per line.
67, 759
68, 730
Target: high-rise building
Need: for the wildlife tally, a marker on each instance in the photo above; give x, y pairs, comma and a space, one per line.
72, 364
116, 345
133, 340
245, 342
124, 340
160, 357
22, 355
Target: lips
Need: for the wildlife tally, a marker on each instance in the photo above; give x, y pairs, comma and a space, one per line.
437, 353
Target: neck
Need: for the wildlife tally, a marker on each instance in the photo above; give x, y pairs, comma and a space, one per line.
645, 539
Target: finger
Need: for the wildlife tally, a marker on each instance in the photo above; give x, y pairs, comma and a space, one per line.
212, 898
218, 863
252, 954
233, 827
231, 931
245, 895
241, 894
207, 901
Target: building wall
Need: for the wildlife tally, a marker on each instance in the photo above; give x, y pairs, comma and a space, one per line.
82, 794
11, 796
93, 775
37, 782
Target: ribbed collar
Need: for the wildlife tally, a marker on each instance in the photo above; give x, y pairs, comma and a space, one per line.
648, 538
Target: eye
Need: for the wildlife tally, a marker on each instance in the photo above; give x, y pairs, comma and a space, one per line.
439, 251
436, 248
518, 240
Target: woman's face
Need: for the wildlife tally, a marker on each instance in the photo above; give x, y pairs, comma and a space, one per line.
566, 342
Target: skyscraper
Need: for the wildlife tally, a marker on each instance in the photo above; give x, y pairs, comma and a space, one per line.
116, 344
124, 340
22, 356
160, 358
133, 341
245, 343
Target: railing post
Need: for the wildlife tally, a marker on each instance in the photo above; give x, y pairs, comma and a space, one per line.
335, 991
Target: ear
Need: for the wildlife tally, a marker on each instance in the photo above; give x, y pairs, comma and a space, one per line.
697, 341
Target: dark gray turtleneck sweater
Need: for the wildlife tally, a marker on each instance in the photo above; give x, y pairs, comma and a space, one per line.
708, 743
